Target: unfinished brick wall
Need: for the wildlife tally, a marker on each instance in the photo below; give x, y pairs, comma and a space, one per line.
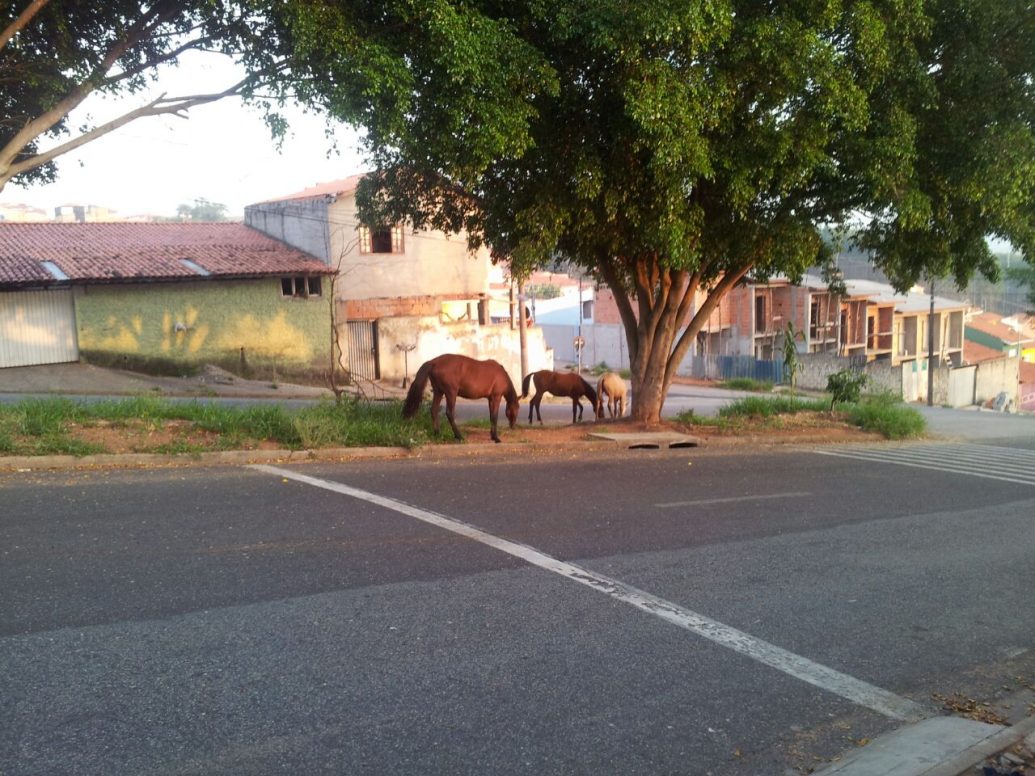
391, 307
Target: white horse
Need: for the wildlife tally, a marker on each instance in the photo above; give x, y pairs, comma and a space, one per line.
614, 386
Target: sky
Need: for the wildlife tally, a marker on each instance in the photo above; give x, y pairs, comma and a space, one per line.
222, 152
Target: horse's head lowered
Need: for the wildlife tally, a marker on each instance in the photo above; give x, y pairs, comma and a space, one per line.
513, 406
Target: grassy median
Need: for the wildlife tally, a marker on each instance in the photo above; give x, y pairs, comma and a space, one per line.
145, 424
880, 413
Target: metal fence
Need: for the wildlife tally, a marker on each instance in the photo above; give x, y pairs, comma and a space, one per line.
730, 367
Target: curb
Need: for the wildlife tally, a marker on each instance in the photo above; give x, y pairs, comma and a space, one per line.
963, 763
714, 445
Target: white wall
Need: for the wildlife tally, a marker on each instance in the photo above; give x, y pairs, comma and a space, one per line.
496, 341
432, 263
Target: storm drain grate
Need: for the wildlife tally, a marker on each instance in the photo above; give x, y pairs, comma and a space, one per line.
651, 440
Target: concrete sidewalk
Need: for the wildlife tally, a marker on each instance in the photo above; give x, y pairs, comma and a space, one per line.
89, 380
939, 746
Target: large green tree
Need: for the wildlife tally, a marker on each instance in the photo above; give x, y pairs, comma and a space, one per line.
671, 148
56, 53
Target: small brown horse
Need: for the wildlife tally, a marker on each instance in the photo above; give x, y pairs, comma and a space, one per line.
559, 384
453, 375
612, 384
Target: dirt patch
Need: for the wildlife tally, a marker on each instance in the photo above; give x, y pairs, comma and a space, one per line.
138, 436
815, 427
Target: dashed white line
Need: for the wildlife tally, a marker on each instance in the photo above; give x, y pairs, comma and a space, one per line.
823, 677
731, 499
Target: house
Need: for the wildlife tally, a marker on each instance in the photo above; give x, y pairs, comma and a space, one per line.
909, 313
10, 211
401, 297
761, 311
161, 296
1009, 335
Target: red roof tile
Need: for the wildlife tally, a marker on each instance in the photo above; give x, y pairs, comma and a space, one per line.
330, 188
104, 252
992, 324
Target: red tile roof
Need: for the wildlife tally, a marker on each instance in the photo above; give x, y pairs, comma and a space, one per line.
991, 323
330, 188
107, 252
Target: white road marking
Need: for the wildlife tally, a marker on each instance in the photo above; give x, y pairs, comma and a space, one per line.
991, 463
843, 685
730, 499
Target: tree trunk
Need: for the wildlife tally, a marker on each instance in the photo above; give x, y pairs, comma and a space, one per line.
650, 378
663, 328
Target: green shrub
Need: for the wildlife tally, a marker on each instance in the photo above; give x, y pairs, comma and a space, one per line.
887, 416
770, 406
846, 386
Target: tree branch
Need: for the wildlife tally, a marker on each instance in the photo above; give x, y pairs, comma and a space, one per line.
729, 280
622, 301
36, 127
157, 107
19, 23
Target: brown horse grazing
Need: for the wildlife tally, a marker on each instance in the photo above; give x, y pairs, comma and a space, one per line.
614, 386
452, 375
559, 384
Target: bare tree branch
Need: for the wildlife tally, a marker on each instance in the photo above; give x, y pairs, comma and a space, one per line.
158, 14
157, 107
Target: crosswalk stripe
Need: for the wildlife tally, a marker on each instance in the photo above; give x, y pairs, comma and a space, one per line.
993, 463
962, 457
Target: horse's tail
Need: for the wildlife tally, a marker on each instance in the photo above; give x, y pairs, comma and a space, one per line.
416, 393
525, 383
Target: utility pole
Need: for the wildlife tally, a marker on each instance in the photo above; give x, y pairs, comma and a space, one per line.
581, 340
930, 348
523, 324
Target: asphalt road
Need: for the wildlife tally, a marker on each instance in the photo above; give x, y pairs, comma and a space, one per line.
242, 621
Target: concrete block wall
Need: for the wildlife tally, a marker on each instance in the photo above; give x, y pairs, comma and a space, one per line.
817, 367
301, 224
995, 376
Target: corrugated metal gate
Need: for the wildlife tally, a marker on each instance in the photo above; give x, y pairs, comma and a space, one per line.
363, 353
37, 327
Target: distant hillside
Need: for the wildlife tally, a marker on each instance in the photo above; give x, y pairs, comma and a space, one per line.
1004, 297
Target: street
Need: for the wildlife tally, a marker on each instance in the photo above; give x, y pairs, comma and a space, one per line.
653, 612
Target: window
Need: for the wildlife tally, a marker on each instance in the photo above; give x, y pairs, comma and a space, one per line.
760, 318
382, 239
301, 286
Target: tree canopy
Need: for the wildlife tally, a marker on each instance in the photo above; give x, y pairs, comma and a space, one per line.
674, 147
201, 210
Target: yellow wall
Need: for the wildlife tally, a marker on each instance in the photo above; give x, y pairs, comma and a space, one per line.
204, 322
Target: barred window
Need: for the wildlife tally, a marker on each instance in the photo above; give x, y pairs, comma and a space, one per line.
301, 286
382, 239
